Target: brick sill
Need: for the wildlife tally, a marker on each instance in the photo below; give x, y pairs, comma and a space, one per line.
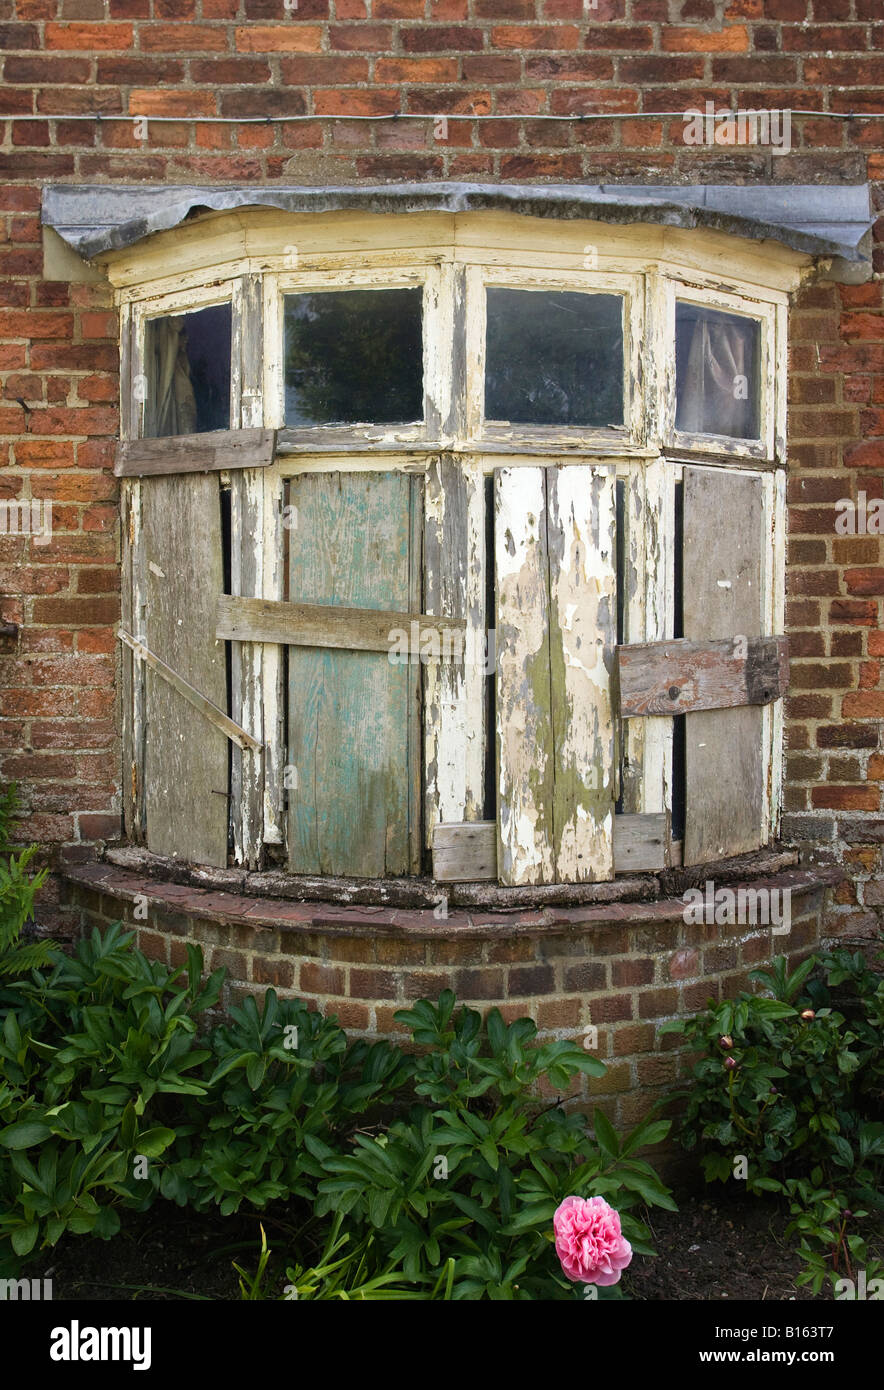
125, 884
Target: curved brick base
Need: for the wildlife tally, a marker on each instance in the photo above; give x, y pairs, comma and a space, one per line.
622, 968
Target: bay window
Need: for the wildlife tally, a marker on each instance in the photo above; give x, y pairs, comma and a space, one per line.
564, 484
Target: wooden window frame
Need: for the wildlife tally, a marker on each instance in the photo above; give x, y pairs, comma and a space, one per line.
436, 363
501, 437
171, 305
647, 453
744, 305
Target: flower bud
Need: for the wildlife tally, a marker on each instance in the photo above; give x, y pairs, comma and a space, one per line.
730, 1063
726, 1042
808, 1015
847, 1214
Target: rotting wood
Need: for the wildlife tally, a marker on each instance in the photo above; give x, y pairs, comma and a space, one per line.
465, 853
194, 697
723, 537
526, 786
195, 453
415, 635
454, 705
248, 769
185, 755
581, 523
679, 676
468, 852
641, 842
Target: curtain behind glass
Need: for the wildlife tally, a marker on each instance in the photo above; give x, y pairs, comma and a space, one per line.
716, 372
170, 407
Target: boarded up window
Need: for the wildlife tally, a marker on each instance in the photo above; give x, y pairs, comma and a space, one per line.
354, 747
184, 757
723, 529
556, 631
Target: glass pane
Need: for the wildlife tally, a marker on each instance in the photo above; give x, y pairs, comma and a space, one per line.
716, 371
554, 358
187, 373
354, 356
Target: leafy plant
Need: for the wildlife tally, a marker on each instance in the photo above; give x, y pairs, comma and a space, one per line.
476, 1171
445, 1163
95, 1064
345, 1270
18, 891
792, 1083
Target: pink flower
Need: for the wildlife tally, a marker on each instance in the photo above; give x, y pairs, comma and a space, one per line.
588, 1241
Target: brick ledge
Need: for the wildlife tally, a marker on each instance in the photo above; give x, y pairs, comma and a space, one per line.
300, 917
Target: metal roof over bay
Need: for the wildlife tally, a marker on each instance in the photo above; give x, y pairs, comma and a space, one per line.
817, 219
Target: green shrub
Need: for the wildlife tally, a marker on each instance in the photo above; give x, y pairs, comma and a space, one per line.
18, 891
95, 1063
476, 1170
791, 1083
444, 1162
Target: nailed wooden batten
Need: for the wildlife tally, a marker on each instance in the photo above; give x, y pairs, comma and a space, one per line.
678, 676
211, 452
327, 625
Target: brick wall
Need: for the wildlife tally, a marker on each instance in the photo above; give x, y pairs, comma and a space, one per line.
324, 58
622, 969
834, 762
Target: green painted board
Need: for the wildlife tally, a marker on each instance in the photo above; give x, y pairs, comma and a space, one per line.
353, 781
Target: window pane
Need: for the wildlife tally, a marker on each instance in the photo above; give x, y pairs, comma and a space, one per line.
187, 366
554, 358
354, 355
716, 370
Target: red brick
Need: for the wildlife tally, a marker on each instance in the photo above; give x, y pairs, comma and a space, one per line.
184, 38
90, 38
373, 984
321, 979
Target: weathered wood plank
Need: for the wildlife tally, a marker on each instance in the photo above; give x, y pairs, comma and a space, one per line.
723, 536
454, 560
641, 842
129, 674
195, 453
656, 622
246, 669
417, 636
581, 524
248, 542
241, 737
465, 853
351, 807
186, 759
680, 676
526, 785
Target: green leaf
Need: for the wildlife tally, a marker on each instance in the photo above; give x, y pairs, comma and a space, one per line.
24, 1238
155, 1141
605, 1134
129, 1127
24, 1135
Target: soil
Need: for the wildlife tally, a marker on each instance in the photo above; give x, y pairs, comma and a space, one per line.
715, 1247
